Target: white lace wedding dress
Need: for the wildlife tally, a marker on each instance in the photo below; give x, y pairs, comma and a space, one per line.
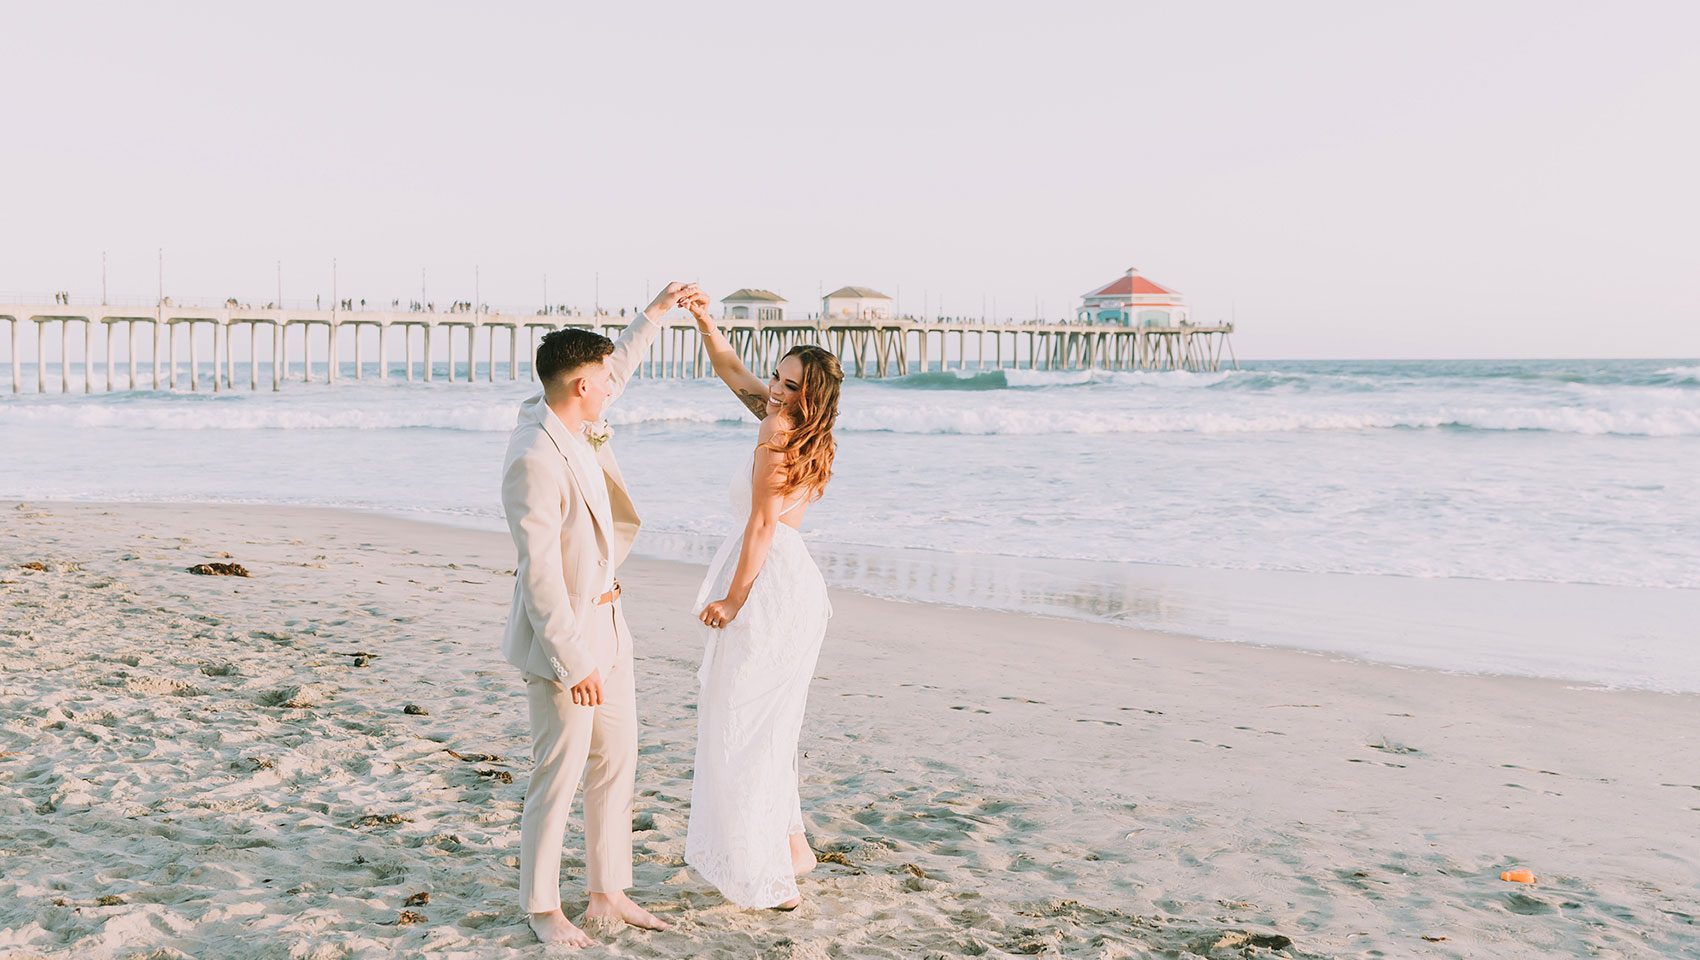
754, 684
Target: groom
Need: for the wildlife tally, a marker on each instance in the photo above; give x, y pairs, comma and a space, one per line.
573, 522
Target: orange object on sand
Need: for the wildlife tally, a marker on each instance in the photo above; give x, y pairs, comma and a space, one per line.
1517, 876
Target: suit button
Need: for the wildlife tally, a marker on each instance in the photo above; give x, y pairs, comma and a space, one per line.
602, 563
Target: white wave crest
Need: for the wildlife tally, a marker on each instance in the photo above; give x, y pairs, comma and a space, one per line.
991, 420
476, 418
1065, 378
1046, 378
1640, 411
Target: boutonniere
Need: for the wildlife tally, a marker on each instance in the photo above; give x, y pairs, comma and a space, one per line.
598, 434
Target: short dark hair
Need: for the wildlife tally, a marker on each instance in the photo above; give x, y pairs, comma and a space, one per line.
563, 351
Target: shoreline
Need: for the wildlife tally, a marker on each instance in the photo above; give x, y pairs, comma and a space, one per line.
1452, 625
228, 761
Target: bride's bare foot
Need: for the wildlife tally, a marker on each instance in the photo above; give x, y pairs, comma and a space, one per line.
802, 855
790, 904
618, 906
554, 927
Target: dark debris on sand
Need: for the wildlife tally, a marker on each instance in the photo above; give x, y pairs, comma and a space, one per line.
219, 570
474, 757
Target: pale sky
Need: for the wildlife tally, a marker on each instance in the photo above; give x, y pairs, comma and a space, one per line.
1346, 179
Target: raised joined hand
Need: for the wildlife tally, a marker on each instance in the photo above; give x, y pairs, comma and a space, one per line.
674, 295
698, 306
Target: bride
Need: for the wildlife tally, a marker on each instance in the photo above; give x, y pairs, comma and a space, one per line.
764, 608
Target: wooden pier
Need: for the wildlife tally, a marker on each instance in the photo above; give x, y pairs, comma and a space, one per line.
262, 339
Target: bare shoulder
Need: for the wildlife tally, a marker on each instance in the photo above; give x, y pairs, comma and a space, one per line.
775, 426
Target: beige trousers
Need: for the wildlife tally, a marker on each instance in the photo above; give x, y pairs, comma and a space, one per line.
569, 741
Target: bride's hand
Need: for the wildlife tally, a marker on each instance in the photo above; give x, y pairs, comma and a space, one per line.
698, 306
720, 612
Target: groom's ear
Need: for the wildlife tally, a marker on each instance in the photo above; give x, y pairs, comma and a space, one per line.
572, 383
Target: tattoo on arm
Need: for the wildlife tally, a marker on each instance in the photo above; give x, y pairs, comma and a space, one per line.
756, 403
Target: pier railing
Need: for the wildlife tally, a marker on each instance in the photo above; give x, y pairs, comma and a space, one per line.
869, 349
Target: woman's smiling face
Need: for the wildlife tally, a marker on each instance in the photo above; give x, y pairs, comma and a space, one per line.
786, 385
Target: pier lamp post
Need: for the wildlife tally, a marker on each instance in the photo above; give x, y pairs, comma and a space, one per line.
330, 361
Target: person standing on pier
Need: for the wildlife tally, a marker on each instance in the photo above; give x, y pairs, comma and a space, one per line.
572, 523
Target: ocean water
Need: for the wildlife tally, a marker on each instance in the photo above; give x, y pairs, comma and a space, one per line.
1529, 517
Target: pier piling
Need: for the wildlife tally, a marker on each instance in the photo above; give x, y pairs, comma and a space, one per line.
874, 350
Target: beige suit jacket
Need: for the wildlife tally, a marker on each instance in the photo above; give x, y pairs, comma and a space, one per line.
565, 547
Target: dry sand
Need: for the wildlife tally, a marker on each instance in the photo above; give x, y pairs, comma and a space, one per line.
219, 767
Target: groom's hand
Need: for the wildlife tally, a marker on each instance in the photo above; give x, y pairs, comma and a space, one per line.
669, 298
588, 692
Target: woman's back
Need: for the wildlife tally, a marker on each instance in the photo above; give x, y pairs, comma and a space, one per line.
791, 510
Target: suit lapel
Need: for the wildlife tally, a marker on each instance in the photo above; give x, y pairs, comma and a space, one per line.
558, 433
619, 498
623, 512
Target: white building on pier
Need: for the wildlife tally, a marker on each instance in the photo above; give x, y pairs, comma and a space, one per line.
1131, 300
747, 303
856, 303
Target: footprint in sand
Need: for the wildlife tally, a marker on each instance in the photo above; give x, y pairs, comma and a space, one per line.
1388, 746
1107, 723
971, 709
1526, 905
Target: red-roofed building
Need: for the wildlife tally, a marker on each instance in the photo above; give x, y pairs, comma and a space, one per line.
1131, 300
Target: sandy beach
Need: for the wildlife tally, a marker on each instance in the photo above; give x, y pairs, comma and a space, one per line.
327, 759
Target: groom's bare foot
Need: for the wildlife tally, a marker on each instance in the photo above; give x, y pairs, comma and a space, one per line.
618, 906
802, 855
554, 927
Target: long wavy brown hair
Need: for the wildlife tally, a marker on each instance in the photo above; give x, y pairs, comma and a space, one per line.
808, 446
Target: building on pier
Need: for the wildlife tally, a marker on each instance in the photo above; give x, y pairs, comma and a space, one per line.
748, 303
287, 343
856, 303
1131, 300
